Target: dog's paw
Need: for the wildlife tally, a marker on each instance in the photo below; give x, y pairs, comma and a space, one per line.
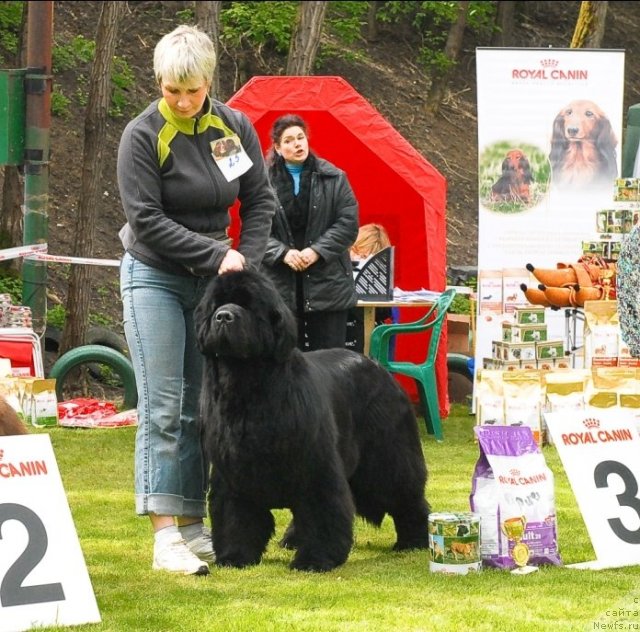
229, 562
288, 543
408, 545
317, 560
313, 566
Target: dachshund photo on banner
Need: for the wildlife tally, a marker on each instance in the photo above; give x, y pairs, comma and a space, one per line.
583, 147
513, 176
513, 184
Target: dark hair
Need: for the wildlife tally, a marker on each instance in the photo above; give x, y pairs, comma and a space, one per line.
278, 128
284, 122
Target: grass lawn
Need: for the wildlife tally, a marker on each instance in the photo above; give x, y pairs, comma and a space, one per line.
376, 590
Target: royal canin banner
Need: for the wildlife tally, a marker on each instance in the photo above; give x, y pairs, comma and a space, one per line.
549, 152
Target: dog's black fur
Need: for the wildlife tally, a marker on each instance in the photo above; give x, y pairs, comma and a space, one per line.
326, 434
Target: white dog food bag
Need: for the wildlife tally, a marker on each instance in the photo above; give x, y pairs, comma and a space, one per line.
513, 491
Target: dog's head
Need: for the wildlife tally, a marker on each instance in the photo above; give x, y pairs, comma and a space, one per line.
516, 161
243, 316
582, 121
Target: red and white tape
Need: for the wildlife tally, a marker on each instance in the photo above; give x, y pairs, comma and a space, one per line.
21, 251
61, 259
39, 252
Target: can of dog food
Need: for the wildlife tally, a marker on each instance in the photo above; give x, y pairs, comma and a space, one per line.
454, 543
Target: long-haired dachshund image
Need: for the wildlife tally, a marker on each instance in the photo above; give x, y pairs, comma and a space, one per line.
513, 184
583, 147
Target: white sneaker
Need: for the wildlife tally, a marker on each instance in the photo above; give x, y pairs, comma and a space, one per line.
202, 547
173, 555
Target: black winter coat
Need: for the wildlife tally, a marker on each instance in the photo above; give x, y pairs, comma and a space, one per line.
332, 228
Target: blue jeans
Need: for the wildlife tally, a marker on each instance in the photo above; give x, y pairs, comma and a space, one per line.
158, 324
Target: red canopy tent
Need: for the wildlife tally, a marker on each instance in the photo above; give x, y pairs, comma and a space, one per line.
394, 184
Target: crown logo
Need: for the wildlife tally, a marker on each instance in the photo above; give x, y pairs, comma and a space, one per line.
590, 422
549, 63
514, 472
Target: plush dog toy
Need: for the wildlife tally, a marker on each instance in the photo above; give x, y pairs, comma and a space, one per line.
571, 284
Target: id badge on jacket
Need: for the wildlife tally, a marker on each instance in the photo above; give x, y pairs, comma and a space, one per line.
230, 156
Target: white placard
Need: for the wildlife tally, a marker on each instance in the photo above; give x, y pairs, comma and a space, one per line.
599, 450
43, 576
230, 157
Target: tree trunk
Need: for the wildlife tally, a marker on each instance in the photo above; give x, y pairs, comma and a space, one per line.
503, 36
440, 78
94, 140
13, 183
208, 19
589, 31
372, 22
305, 38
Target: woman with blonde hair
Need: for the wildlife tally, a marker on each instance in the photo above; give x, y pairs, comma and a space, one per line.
176, 199
371, 239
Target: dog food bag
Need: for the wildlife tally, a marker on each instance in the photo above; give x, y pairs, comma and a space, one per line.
513, 491
512, 279
564, 391
523, 400
601, 333
490, 291
604, 384
490, 398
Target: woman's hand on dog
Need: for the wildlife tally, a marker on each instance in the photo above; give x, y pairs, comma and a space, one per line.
233, 261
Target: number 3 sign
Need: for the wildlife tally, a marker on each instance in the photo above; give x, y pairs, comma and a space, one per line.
43, 576
599, 451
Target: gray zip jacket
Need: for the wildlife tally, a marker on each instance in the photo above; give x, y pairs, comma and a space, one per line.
175, 197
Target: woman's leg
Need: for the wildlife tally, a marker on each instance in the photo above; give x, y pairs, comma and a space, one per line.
169, 477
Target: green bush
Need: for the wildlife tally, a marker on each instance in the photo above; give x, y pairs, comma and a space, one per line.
12, 285
77, 55
461, 304
10, 21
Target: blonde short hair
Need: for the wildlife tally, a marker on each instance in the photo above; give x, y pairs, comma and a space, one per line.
371, 239
184, 54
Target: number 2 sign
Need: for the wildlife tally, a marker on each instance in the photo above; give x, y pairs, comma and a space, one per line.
43, 576
599, 451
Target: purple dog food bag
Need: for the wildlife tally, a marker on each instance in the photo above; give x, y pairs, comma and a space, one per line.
513, 491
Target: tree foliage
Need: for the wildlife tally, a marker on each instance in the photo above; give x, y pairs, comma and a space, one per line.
433, 21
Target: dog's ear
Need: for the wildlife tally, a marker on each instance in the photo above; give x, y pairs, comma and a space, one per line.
606, 142
202, 323
526, 169
559, 143
202, 318
285, 331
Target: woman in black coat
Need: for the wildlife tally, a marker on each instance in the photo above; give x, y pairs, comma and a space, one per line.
315, 225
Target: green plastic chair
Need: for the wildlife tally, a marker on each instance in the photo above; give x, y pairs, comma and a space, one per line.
424, 374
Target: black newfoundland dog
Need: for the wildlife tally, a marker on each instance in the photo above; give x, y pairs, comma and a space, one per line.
327, 434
